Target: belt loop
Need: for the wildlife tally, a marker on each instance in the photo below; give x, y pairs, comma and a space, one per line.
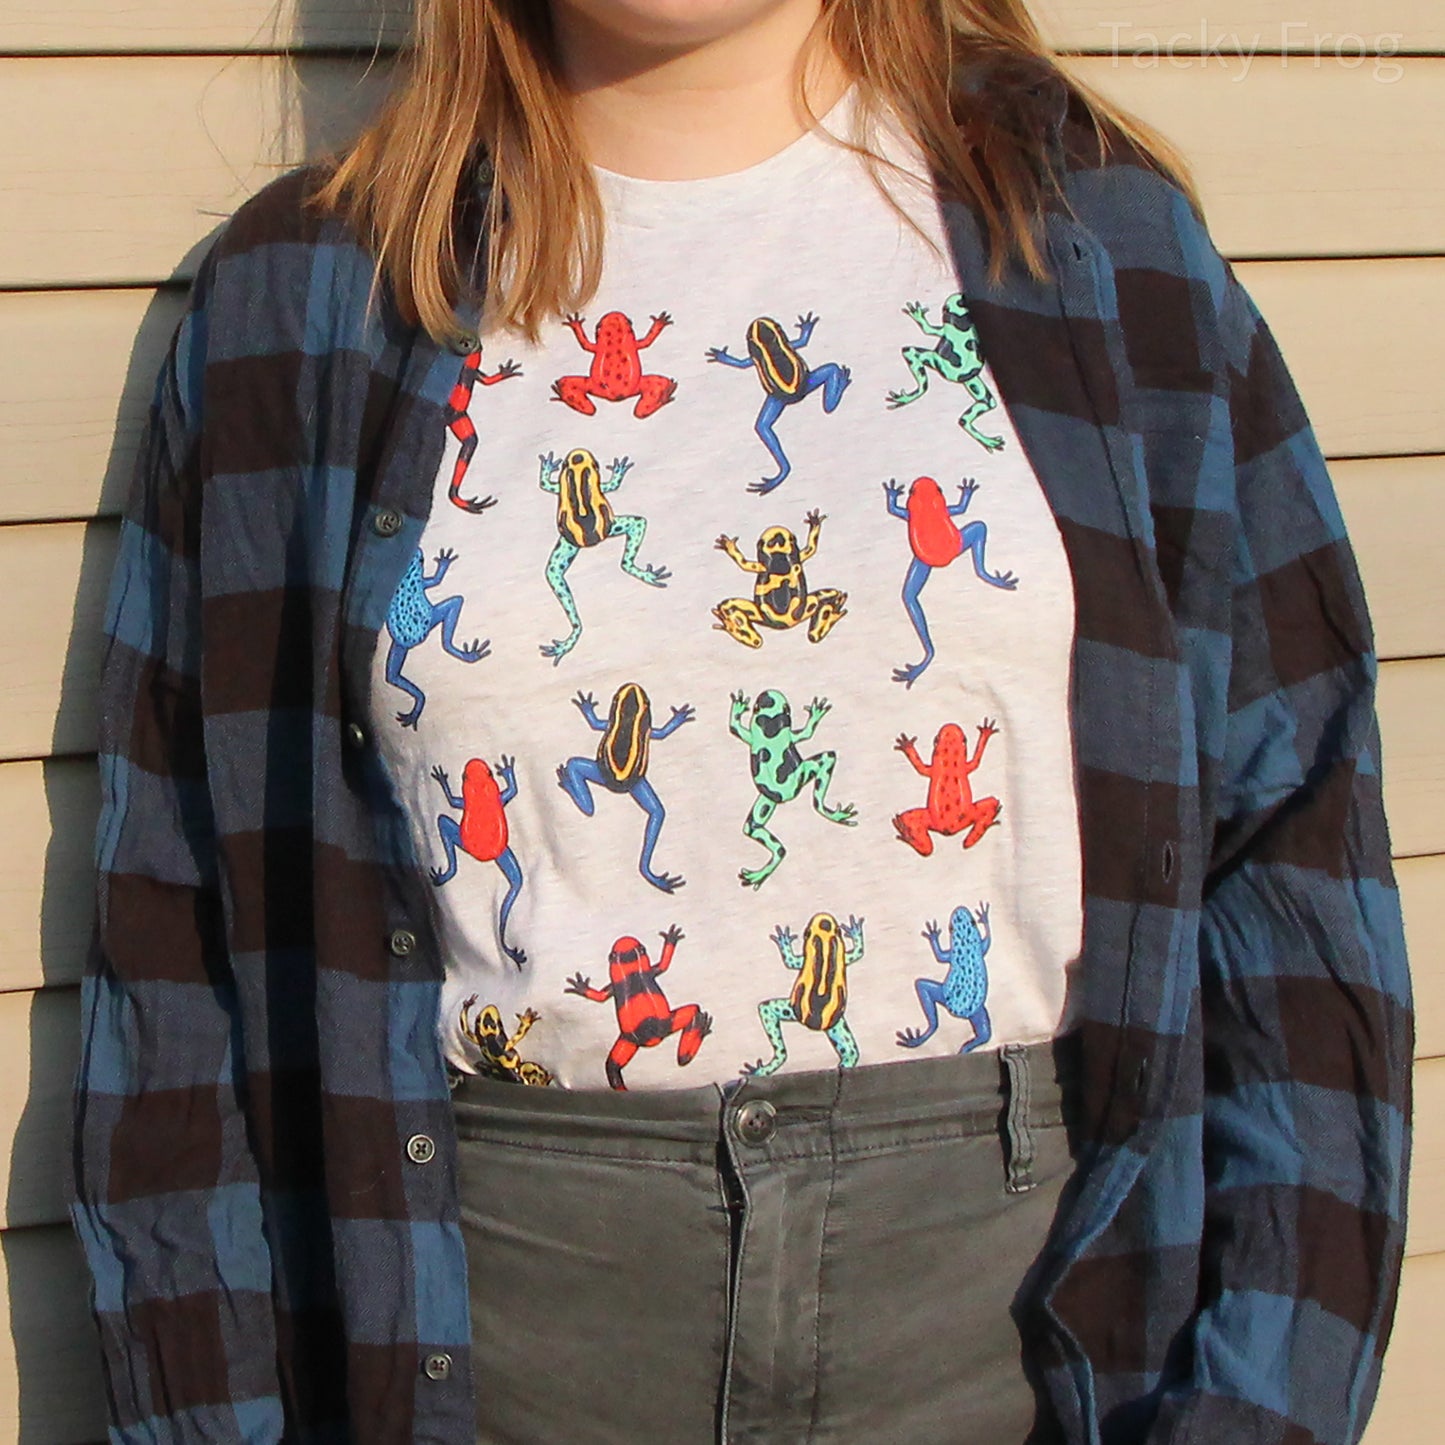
1019, 1176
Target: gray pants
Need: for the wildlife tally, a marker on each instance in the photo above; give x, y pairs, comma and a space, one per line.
821, 1257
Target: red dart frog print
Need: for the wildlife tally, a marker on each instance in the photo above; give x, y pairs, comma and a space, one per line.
459, 423
616, 373
951, 807
482, 832
935, 540
644, 1016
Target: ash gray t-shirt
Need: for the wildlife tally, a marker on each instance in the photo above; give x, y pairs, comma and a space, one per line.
728, 692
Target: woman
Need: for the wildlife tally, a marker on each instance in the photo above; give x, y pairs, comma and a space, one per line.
741, 794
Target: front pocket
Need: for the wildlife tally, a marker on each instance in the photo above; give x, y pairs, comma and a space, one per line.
599, 1294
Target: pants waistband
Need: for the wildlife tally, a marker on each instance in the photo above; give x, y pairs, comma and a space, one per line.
1012, 1089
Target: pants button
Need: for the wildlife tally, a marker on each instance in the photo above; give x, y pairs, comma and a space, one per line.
755, 1122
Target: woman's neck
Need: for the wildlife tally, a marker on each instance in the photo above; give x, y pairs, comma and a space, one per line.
667, 105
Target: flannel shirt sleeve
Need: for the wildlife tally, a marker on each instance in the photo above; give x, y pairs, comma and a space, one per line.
167, 1202
1305, 995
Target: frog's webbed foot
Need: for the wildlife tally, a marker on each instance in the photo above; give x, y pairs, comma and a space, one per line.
409, 719
988, 443
559, 647
909, 675
895, 399
655, 575
766, 485
438, 876
473, 505
755, 877
519, 957
667, 882
473, 651
910, 1038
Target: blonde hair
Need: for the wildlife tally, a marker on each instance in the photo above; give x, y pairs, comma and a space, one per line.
480, 98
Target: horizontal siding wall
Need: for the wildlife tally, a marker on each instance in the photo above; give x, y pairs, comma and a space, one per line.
131, 128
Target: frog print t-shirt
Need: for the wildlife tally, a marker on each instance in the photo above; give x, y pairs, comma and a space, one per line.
727, 693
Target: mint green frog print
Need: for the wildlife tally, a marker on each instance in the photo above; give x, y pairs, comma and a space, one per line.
955, 358
780, 771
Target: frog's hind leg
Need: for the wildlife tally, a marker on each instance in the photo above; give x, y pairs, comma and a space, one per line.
818, 770
984, 815
920, 361
756, 828
912, 828
653, 393
975, 539
574, 391
633, 529
983, 403
841, 1037
563, 555
930, 994
694, 1024
825, 608
646, 799
771, 410
461, 427
739, 618
913, 583
621, 1054
834, 380
573, 778
982, 1029
773, 1013
451, 836
395, 658
512, 872
447, 614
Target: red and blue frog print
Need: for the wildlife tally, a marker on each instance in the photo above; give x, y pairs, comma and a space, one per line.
787, 379
616, 372
935, 540
951, 808
459, 423
412, 618
644, 1016
482, 832
621, 763
964, 989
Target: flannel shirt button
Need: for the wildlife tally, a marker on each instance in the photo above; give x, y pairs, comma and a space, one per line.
401, 943
356, 735
466, 343
386, 523
437, 1365
420, 1149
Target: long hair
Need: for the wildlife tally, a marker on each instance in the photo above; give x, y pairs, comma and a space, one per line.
480, 99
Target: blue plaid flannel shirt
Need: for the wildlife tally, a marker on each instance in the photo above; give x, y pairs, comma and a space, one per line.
269, 1259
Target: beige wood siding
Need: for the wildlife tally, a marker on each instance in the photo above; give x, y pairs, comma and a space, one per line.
130, 128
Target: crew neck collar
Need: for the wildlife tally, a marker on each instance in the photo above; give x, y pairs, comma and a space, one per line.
633, 199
